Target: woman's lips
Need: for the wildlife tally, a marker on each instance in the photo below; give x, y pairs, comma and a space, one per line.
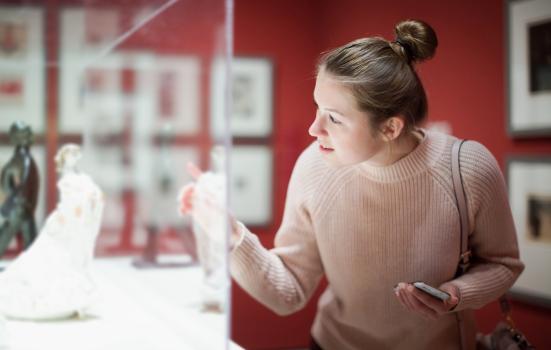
326, 149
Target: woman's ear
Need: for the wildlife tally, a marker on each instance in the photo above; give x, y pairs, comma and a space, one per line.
392, 128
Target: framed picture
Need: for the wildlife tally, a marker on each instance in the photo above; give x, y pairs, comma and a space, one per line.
91, 81
177, 93
91, 97
251, 191
530, 198
176, 83
251, 93
529, 53
22, 67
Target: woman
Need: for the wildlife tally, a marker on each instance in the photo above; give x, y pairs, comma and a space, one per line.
371, 206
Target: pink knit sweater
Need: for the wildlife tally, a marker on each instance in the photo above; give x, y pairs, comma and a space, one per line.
367, 228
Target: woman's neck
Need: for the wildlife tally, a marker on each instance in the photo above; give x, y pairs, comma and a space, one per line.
400, 148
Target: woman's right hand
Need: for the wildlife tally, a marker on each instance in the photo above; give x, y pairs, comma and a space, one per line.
422, 303
185, 197
204, 200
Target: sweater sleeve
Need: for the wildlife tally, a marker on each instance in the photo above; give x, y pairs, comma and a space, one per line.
283, 278
495, 263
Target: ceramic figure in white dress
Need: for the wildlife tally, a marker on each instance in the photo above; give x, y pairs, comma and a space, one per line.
52, 279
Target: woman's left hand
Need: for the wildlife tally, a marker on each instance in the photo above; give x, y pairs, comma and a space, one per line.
422, 303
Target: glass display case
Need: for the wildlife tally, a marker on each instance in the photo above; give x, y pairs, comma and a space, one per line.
137, 86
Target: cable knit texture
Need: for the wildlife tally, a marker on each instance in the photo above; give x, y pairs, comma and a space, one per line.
367, 228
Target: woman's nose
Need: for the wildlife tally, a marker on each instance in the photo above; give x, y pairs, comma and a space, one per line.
316, 128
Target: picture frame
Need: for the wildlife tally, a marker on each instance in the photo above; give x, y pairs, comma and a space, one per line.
530, 199
22, 67
529, 72
251, 98
110, 89
91, 83
251, 191
177, 96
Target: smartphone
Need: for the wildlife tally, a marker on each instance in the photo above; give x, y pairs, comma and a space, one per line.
435, 292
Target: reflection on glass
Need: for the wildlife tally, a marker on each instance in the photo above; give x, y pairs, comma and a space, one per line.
210, 233
129, 83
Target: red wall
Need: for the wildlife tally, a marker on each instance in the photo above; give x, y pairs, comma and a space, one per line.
285, 31
465, 83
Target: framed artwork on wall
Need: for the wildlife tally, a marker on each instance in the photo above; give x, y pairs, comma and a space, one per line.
91, 83
178, 93
530, 198
251, 191
529, 67
251, 94
22, 68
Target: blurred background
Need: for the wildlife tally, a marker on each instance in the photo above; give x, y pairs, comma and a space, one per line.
171, 67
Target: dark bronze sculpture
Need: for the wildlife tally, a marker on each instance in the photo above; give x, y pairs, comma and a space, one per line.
19, 182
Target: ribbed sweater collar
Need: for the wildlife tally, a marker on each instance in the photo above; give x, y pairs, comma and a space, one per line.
423, 157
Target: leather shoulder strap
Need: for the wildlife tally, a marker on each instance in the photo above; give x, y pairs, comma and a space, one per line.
464, 258
461, 201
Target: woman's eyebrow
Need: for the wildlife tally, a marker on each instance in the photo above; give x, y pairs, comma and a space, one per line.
327, 109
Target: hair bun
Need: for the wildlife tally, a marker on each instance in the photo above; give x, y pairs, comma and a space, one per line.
417, 39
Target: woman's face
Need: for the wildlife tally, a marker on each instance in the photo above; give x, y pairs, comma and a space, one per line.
343, 132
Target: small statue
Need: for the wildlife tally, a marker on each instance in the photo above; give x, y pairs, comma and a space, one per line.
159, 205
19, 183
52, 279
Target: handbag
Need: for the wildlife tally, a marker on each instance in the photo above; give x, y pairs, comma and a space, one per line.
505, 336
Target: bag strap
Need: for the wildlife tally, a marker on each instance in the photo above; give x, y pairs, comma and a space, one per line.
459, 191
465, 253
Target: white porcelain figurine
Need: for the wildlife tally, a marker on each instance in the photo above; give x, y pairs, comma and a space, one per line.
51, 279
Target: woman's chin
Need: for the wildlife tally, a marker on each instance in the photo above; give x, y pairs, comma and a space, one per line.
332, 159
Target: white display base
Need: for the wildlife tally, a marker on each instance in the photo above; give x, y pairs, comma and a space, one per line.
139, 309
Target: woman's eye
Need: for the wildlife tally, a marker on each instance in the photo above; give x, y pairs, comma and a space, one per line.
333, 120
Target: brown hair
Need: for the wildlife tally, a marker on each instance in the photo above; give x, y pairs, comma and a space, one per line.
381, 73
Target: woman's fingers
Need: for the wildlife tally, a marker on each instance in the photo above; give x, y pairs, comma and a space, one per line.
417, 305
437, 305
427, 302
419, 302
185, 198
401, 297
453, 291
205, 200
